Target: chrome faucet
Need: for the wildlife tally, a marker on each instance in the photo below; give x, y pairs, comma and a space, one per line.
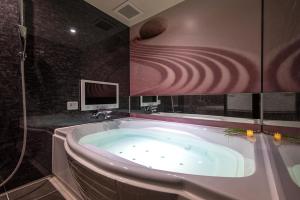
104, 113
151, 109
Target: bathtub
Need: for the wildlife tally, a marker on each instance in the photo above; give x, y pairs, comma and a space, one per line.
285, 160
110, 160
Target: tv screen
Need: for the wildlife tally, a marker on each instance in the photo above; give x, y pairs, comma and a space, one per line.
149, 99
100, 94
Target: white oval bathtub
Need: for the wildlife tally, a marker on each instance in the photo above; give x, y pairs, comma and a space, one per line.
170, 150
191, 161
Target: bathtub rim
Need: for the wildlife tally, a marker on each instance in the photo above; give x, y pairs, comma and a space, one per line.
288, 188
137, 169
185, 184
181, 188
131, 181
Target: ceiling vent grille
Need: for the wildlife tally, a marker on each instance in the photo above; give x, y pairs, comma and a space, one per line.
128, 10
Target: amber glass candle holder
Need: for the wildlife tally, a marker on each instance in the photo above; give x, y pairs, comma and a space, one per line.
250, 133
277, 136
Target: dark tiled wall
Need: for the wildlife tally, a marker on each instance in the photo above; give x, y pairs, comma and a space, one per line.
56, 61
10, 87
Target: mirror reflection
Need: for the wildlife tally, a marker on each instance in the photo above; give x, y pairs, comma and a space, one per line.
241, 105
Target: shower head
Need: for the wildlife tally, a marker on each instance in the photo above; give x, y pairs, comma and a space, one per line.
22, 31
23, 35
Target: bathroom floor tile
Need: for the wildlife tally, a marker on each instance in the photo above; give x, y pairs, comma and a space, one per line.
3, 198
55, 195
1, 189
40, 190
26, 173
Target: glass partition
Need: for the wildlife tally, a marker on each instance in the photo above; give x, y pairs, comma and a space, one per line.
282, 106
241, 105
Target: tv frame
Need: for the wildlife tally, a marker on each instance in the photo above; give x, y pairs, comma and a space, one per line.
85, 107
142, 104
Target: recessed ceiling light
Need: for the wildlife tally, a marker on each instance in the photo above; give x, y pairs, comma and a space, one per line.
73, 30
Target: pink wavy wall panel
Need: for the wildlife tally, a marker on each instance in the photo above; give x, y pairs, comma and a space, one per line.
282, 46
282, 72
282, 60
189, 70
174, 54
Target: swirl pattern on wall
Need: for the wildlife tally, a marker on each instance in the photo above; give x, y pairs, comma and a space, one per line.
178, 70
283, 71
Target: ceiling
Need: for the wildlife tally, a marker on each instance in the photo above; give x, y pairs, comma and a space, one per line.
143, 8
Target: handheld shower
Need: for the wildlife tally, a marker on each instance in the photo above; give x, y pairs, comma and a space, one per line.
22, 34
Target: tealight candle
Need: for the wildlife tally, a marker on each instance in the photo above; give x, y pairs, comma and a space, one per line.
277, 136
250, 133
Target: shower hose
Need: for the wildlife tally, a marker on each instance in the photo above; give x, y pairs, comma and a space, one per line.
22, 34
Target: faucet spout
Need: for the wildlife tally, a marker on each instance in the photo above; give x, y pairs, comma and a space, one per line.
104, 113
151, 109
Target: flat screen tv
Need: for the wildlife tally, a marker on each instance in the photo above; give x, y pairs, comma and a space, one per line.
99, 95
149, 101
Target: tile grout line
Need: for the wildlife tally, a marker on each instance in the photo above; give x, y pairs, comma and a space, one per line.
5, 192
